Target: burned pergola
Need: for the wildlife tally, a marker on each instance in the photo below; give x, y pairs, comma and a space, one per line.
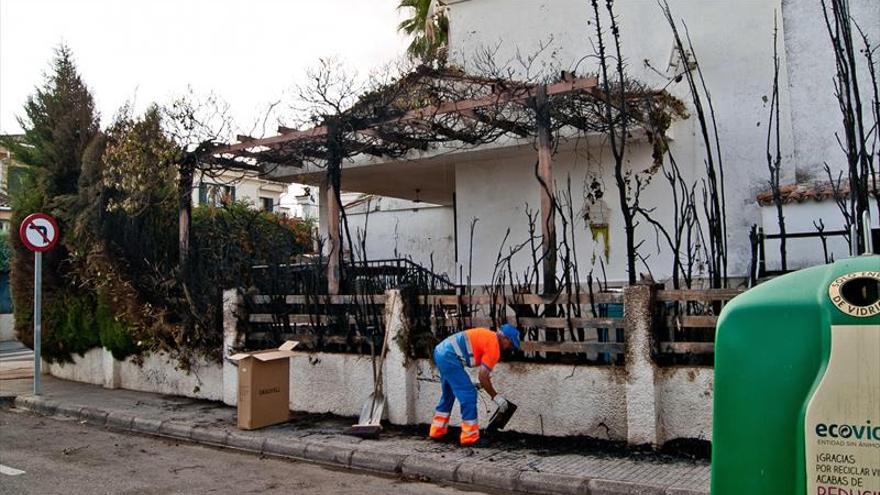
428, 107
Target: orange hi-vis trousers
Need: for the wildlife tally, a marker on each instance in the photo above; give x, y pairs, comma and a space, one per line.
470, 432
439, 425
454, 384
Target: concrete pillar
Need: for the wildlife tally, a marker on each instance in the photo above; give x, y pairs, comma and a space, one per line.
232, 307
111, 367
642, 425
401, 387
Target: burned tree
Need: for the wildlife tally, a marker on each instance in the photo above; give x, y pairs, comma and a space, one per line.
465, 111
774, 151
857, 143
713, 194
613, 83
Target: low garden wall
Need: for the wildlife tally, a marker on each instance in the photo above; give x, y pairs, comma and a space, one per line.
639, 403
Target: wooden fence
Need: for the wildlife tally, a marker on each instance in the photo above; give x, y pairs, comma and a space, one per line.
686, 321
354, 323
576, 324
582, 328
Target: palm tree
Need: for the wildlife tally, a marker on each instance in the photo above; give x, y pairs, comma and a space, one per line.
428, 26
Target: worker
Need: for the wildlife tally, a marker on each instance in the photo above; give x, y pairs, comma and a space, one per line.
477, 347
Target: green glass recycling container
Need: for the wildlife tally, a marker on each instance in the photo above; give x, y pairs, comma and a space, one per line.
797, 385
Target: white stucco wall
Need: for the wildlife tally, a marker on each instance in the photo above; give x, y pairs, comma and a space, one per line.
398, 228
7, 327
87, 368
247, 188
499, 205
330, 383
300, 201
733, 41
160, 374
815, 112
684, 403
553, 400
799, 217
734, 44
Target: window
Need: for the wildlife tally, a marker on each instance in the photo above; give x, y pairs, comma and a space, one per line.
215, 194
268, 204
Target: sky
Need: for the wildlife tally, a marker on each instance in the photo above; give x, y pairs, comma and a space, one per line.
248, 52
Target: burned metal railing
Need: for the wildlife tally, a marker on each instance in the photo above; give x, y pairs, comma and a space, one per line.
382, 275
758, 239
340, 323
290, 301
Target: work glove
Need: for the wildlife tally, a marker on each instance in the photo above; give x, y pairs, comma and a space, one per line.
476, 384
501, 402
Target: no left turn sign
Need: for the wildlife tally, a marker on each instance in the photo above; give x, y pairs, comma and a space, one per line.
39, 232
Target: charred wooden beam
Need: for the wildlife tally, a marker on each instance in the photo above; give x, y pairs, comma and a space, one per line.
397, 138
548, 202
517, 94
233, 164
271, 155
516, 128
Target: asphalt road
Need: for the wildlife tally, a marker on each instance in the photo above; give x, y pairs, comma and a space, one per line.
67, 457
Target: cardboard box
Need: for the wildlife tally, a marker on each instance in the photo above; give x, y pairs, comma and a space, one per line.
264, 386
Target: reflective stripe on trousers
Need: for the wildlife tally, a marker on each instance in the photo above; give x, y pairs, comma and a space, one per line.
470, 432
439, 425
440, 419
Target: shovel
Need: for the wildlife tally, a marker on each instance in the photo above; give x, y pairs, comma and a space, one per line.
499, 419
369, 423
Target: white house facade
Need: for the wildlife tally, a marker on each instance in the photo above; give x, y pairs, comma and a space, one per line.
257, 191
487, 191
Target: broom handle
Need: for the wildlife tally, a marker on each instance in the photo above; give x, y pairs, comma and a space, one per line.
378, 385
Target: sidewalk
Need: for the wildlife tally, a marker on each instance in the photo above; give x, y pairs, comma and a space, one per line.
508, 464
16, 360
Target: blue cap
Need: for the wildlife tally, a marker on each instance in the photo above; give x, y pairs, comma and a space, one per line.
511, 333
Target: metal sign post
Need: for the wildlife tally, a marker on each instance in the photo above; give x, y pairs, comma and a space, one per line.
38, 330
39, 232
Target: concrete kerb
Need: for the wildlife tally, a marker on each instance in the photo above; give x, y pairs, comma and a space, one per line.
244, 441
337, 455
683, 491
175, 430
610, 487
120, 421
350, 456
93, 416
70, 410
562, 484
146, 425
488, 476
290, 448
382, 462
209, 436
431, 468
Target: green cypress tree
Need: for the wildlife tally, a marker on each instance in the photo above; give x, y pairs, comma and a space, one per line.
59, 124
